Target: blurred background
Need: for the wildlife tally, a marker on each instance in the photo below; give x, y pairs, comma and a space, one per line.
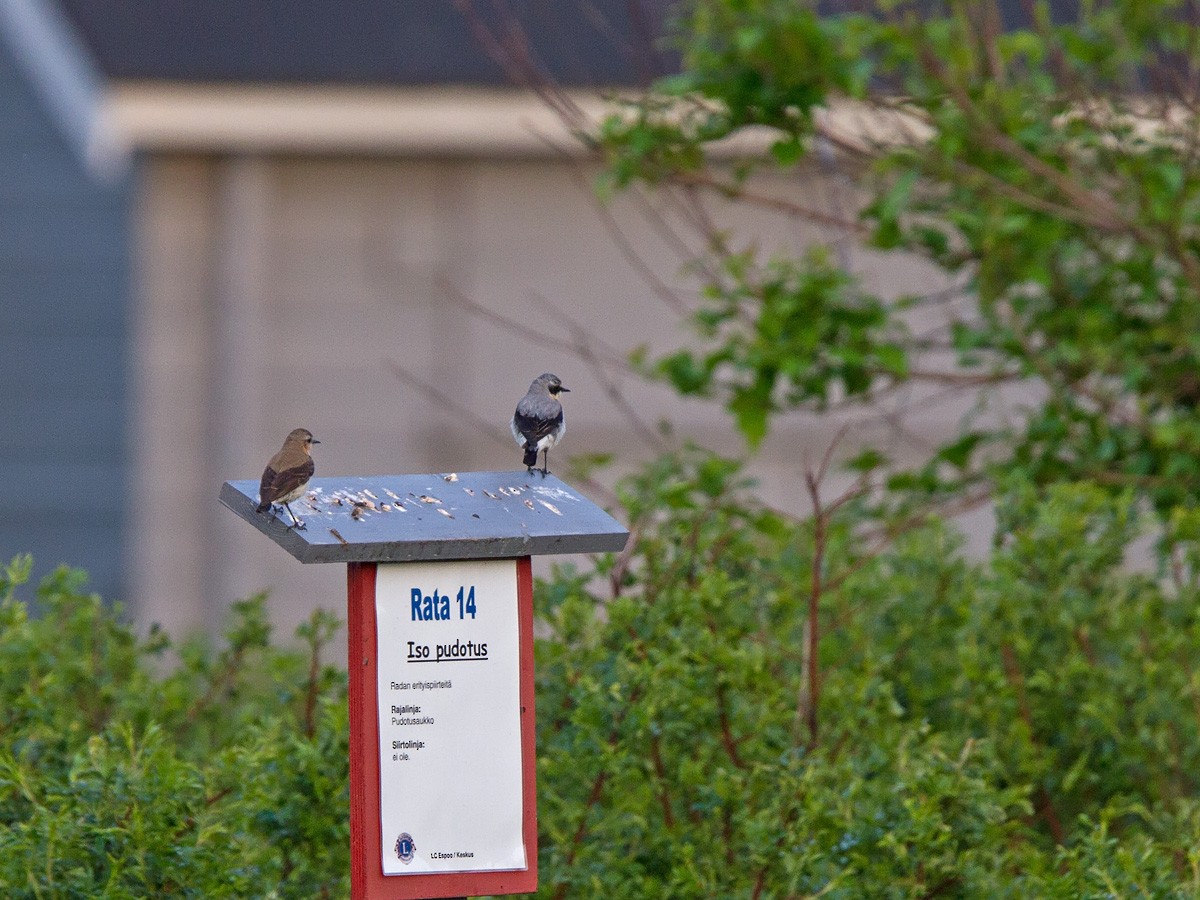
221, 221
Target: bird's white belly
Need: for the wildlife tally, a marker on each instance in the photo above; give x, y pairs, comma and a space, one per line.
293, 495
552, 438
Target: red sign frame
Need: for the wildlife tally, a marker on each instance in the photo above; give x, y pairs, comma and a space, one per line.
367, 881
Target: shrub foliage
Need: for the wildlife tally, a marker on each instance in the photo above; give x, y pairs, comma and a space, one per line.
1024, 726
226, 777
1028, 725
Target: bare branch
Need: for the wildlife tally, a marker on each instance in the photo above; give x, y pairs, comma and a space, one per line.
483, 426
730, 190
608, 357
656, 284
823, 468
583, 343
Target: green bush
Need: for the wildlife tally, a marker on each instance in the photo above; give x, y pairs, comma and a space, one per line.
1024, 726
226, 777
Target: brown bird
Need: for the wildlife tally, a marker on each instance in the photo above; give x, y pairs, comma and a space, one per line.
287, 474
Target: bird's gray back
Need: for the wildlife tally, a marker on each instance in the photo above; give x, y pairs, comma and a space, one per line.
539, 406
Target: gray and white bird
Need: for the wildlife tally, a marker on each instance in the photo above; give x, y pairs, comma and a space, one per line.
538, 423
287, 474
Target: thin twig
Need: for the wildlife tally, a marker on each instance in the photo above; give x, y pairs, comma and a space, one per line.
484, 426
809, 700
609, 357
810, 693
584, 343
625, 247
311, 689
729, 190
478, 423
1042, 799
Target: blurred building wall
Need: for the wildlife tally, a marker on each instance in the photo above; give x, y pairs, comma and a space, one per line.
64, 283
378, 240
276, 291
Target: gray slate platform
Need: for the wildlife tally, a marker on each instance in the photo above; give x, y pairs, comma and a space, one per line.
409, 518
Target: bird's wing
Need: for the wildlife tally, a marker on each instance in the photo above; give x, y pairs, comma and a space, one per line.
283, 482
538, 418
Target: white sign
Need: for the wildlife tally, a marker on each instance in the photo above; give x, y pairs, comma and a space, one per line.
449, 717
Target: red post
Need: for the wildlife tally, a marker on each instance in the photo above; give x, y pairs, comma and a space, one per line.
367, 881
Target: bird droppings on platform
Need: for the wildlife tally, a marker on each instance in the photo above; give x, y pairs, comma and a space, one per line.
490, 514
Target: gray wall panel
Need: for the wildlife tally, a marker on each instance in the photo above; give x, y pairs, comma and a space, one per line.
64, 281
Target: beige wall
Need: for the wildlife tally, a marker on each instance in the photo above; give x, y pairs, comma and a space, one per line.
277, 292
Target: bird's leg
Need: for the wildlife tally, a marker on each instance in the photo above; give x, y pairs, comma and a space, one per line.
296, 523
545, 462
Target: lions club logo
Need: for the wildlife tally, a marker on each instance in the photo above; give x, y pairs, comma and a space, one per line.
406, 847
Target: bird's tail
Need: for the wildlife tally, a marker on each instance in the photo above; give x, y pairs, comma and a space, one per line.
531, 453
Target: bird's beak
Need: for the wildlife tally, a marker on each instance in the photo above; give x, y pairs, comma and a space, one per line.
565, 390
315, 441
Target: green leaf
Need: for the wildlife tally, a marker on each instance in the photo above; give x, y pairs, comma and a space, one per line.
867, 461
751, 407
787, 151
958, 454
